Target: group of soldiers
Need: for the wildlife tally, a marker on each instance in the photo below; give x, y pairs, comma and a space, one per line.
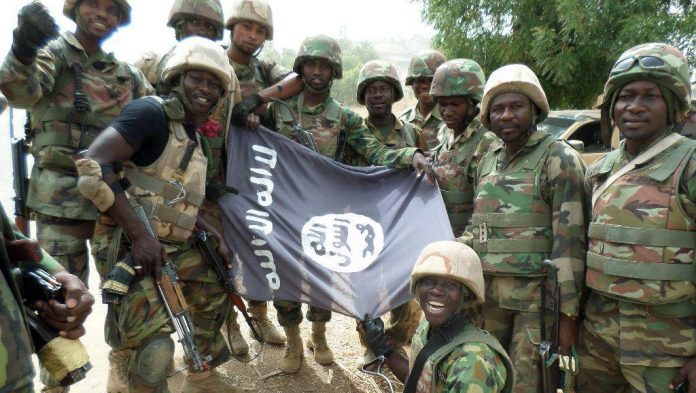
110, 139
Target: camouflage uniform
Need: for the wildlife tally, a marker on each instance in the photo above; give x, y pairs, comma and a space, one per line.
16, 369
424, 64
65, 220
640, 319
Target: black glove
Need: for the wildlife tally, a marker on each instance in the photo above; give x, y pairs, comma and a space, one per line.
35, 27
374, 335
244, 108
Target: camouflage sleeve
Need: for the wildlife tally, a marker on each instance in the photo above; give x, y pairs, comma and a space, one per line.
274, 72
370, 147
474, 367
143, 87
563, 188
148, 63
25, 85
689, 186
47, 262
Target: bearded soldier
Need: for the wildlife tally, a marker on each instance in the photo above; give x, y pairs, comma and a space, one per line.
639, 331
161, 151
333, 128
425, 114
528, 207
450, 353
457, 89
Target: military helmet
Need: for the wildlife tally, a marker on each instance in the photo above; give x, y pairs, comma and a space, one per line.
424, 63
693, 97
198, 53
452, 260
69, 10
459, 77
210, 10
323, 47
660, 63
514, 78
378, 70
252, 10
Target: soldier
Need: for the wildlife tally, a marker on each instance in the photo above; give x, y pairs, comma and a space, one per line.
426, 114
528, 207
448, 282
158, 141
378, 89
688, 127
639, 330
334, 128
457, 89
16, 372
71, 90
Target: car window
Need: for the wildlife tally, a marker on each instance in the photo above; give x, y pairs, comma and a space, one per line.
555, 125
591, 136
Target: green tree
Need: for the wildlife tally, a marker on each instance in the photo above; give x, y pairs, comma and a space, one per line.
355, 54
570, 44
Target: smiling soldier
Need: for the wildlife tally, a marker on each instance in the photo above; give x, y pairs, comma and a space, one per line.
450, 353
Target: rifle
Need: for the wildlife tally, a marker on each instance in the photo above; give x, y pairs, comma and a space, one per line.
208, 246
20, 149
116, 285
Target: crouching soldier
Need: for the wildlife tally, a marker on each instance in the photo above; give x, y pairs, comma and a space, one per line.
450, 353
156, 141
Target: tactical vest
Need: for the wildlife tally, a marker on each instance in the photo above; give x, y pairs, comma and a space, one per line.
325, 127
58, 129
453, 166
510, 216
642, 244
430, 381
405, 137
172, 188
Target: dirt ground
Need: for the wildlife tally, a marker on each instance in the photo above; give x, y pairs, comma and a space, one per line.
262, 373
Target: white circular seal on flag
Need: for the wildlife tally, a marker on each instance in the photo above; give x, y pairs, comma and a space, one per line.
344, 243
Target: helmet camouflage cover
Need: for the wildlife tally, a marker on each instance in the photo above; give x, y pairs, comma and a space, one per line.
320, 47
207, 9
452, 260
670, 71
198, 53
378, 70
459, 77
69, 10
255, 11
424, 63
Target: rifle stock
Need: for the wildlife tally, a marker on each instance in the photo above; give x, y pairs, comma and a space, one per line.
20, 149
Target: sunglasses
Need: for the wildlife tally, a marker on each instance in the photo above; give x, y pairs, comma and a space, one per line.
650, 63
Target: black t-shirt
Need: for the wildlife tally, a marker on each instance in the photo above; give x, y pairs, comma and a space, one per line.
145, 127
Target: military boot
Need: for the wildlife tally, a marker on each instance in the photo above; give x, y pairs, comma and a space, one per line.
322, 352
269, 332
117, 381
209, 381
239, 346
292, 359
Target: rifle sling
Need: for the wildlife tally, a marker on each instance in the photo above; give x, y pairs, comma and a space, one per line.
439, 337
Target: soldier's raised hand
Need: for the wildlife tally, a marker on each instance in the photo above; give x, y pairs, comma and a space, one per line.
377, 341
244, 108
35, 27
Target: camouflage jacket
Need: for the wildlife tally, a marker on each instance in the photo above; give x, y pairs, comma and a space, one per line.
529, 208
641, 250
430, 126
16, 369
468, 367
455, 161
258, 75
400, 136
332, 125
46, 89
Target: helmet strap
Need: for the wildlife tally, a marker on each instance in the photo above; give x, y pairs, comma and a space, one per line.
317, 91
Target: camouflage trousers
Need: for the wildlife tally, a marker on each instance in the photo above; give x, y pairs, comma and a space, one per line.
604, 348
403, 322
290, 313
142, 316
519, 332
66, 240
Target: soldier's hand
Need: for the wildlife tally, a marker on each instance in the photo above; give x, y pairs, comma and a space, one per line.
148, 254
23, 250
68, 317
686, 373
373, 328
35, 27
244, 108
421, 164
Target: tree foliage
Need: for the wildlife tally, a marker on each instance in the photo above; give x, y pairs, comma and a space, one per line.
570, 44
355, 54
